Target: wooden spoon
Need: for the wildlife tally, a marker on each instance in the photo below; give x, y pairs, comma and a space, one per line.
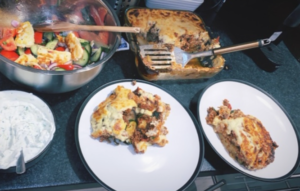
60, 26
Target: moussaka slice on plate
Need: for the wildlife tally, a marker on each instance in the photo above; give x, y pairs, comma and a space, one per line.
135, 117
244, 136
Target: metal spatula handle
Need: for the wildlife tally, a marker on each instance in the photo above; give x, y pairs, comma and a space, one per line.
234, 48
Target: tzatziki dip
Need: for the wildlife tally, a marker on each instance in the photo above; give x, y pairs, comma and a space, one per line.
22, 126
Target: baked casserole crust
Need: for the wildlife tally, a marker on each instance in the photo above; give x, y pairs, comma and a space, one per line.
244, 136
182, 29
133, 117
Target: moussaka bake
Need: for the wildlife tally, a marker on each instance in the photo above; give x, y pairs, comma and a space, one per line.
244, 136
133, 117
181, 29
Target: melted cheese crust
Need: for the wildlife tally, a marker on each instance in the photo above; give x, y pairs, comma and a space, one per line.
136, 117
183, 29
107, 120
244, 136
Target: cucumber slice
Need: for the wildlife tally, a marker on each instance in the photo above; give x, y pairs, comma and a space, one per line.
59, 69
34, 48
48, 36
21, 51
84, 59
105, 49
86, 44
96, 55
52, 44
88, 48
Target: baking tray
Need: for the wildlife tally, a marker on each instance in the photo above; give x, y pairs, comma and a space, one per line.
193, 70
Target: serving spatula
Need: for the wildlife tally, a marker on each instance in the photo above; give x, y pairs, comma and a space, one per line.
161, 56
60, 26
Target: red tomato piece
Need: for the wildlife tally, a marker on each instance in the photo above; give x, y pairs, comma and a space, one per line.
9, 32
38, 37
104, 37
8, 43
102, 13
87, 35
95, 15
60, 48
66, 66
11, 55
27, 51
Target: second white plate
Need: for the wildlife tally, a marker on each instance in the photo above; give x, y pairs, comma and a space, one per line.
253, 101
172, 167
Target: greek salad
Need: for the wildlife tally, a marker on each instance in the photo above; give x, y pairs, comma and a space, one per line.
56, 51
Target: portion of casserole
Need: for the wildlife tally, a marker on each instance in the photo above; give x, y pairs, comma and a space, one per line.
244, 136
133, 117
181, 29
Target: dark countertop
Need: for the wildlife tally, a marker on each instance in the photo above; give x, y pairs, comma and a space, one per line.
61, 164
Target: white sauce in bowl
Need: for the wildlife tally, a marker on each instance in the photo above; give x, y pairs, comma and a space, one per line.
22, 126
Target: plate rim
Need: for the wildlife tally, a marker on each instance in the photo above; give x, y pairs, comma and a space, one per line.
38, 157
196, 124
278, 104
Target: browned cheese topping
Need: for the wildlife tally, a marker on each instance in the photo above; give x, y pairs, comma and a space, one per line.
133, 117
244, 136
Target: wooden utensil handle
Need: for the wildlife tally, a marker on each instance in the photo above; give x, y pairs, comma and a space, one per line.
108, 28
235, 48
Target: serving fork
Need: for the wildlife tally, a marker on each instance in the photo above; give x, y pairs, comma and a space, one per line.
162, 56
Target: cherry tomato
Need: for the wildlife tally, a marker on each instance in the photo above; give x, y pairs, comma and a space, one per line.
66, 66
60, 48
27, 51
9, 32
38, 37
8, 43
11, 55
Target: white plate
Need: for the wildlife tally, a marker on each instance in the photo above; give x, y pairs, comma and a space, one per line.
35, 152
172, 167
253, 101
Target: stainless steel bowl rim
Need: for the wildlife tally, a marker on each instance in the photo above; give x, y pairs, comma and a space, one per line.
83, 69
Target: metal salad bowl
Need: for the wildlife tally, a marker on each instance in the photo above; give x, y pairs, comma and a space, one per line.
39, 11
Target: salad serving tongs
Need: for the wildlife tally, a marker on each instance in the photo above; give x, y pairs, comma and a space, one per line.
60, 26
161, 56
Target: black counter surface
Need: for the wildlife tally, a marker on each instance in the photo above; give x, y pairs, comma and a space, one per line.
61, 164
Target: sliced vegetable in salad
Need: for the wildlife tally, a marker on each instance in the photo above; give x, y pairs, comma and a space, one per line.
48, 51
